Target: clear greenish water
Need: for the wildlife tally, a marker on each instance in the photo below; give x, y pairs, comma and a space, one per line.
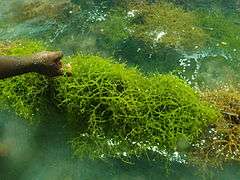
36, 153
42, 152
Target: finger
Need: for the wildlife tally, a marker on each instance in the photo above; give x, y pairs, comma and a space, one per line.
59, 65
59, 55
60, 72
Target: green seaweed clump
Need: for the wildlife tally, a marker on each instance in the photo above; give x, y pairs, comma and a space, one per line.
24, 94
113, 110
167, 24
22, 11
113, 107
153, 36
157, 23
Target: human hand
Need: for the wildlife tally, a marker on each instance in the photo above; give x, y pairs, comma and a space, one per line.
48, 63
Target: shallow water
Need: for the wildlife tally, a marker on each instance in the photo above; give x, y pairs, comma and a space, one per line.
43, 152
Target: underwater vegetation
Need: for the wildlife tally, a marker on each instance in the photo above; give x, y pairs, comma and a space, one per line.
216, 63
166, 24
111, 108
220, 142
154, 35
22, 93
158, 23
36, 9
117, 103
150, 35
117, 111
224, 5
143, 29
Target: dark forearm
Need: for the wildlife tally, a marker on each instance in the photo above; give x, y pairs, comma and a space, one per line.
45, 63
12, 66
